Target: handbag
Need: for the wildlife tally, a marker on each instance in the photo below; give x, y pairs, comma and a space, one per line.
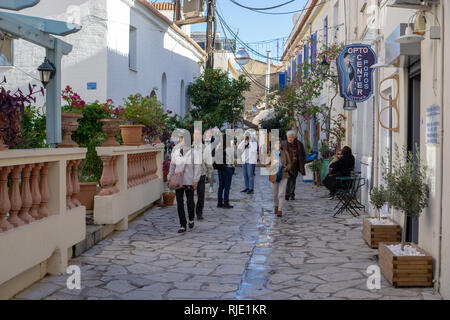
176, 181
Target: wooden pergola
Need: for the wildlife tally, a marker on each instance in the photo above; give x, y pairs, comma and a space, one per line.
40, 32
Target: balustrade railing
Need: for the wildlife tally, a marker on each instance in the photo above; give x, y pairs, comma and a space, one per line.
24, 192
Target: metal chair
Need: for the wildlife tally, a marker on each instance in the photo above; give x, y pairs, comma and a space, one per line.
348, 195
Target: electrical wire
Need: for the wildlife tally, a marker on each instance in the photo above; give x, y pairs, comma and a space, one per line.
290, 12
262, 9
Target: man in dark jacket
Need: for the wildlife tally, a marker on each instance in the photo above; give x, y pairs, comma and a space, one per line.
297, 154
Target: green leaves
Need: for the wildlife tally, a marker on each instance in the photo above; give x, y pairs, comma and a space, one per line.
379, 197
407, 182
216, 98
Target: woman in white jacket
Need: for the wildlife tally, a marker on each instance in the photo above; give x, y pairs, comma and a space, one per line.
249, 149
183, 161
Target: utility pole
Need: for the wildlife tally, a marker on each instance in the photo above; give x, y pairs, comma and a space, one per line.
268, 79
177, 10
209, 35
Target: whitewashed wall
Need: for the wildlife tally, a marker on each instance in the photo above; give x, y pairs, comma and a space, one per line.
100, 52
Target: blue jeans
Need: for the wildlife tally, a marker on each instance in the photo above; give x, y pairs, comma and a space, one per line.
213, 179
249, 175
225, 183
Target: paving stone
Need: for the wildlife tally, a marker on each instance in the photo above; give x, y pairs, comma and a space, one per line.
192, 294
357, 294
336, 286
38, 291
142, 295
120, 286
340, 276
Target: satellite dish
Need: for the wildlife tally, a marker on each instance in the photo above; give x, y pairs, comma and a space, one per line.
242, 57
295, 18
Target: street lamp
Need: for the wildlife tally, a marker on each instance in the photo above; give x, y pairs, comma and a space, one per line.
349, 105
47, 71
242, 57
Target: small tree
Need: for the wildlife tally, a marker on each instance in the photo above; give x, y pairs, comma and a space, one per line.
216, 98
407, 185
378, 198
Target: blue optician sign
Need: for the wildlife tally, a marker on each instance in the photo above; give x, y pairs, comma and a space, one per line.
355, 74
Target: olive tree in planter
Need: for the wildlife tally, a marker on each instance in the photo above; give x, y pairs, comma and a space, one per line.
406, 264
380, 229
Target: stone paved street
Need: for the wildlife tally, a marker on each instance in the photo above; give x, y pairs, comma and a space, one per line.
244, 253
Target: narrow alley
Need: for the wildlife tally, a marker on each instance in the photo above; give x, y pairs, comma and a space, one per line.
243, 253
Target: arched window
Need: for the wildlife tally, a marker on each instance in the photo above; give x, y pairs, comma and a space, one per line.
164, 90
182, 99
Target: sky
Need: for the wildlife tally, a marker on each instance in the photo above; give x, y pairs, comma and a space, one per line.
254, 26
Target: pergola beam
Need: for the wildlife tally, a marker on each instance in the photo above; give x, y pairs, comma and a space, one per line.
59, 28
17, 4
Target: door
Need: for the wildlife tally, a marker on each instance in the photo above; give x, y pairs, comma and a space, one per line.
412, 229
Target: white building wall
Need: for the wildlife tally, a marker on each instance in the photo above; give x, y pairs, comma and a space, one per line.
86, 62
100, 52
159, 50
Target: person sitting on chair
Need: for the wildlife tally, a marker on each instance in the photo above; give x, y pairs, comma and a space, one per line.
341, 166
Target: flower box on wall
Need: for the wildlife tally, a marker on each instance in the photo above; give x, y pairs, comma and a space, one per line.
387, 231
405, 271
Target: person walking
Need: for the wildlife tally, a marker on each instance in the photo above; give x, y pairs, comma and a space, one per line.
225, 170
249, 149
279, 173
183, 162
297, 155
201, 158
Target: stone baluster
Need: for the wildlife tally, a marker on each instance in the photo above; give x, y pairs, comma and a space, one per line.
45, 193
108, 180
135, 170
128, 171
146, 167
27, 199
116, 175
5, 204
141, 171
15, 198
132, 168
35, 191
69, 187
75, 183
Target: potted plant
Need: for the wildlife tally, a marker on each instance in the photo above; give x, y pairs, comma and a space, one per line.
380, 229
405, 264
111, 124
71, 113
142, 115
90, 135
316, 167
168, 197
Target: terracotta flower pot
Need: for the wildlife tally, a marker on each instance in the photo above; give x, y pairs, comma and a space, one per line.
169, 198
132, 135
87, 194
69, 125
111, 127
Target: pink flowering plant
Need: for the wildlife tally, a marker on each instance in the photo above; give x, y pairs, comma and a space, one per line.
74, 103
112, 111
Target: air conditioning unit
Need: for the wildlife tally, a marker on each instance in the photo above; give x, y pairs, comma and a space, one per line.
412, 4
193, 8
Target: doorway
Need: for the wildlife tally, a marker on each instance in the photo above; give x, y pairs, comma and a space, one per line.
413, 144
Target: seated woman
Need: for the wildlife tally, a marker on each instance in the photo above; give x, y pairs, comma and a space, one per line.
341, 166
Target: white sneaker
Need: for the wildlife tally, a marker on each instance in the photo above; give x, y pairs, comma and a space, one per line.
211, 189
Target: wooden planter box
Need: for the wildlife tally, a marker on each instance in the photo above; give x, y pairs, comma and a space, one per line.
405, 271
374, 234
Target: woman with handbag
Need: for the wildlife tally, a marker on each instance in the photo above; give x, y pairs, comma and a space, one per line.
183, 177
279, 173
